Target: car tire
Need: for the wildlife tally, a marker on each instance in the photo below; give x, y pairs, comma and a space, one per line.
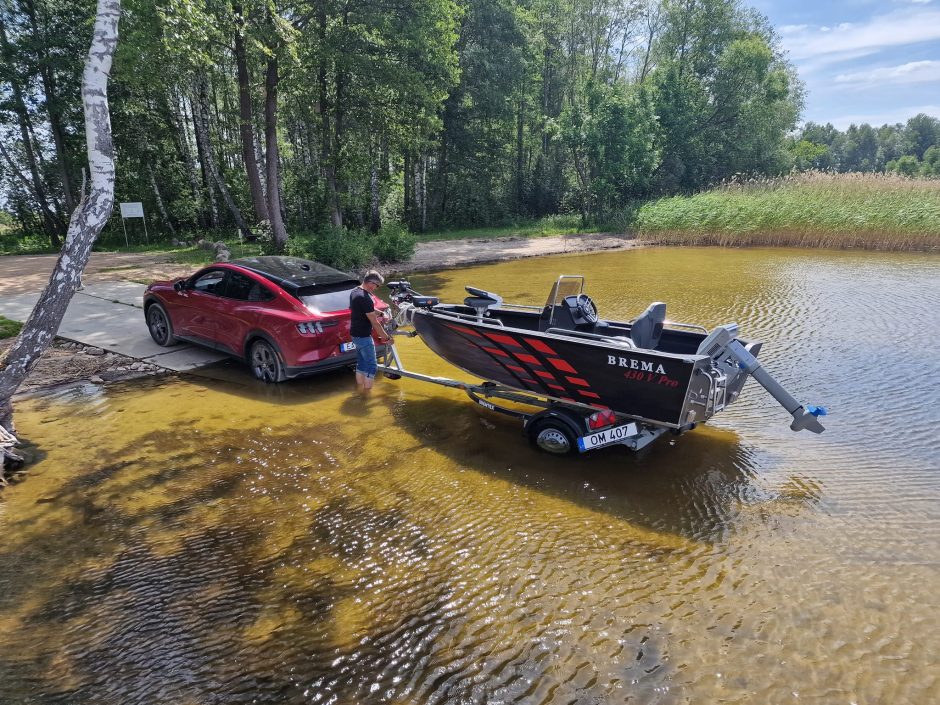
265, 362
160, 326
554, 437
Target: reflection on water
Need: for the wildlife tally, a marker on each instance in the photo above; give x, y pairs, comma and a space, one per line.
214, 540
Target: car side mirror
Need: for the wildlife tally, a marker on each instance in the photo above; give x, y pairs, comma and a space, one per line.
180, 285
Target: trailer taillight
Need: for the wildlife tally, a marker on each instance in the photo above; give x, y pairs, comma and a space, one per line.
600, 419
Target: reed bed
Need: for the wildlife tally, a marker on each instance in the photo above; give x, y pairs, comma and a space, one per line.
810, 209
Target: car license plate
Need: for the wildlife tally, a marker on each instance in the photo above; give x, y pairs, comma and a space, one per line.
347, 347
607, 437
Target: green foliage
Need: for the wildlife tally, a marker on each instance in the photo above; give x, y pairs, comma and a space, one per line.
611, 134
809, 155
811, 208
868, 149
434, 116
336, 247
393, 243
8, 328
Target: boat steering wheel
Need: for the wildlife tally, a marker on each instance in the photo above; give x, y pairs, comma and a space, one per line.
587, 309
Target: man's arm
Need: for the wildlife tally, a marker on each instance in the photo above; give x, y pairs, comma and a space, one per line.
373, 317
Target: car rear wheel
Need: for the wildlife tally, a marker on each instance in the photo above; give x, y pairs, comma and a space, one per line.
159, 325
265, 362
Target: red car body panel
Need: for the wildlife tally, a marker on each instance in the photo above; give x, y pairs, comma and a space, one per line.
231, 325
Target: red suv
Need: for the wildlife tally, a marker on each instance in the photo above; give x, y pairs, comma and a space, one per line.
285, 316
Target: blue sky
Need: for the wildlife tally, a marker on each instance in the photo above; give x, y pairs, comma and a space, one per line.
862, 60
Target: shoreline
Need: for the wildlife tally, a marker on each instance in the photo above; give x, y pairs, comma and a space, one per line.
67, 362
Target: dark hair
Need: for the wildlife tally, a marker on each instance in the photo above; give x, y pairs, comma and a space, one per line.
373, 277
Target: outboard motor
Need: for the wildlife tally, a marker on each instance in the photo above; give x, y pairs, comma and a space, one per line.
721, 342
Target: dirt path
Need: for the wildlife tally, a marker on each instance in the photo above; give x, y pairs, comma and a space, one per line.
23, 274
444, 254
30, 273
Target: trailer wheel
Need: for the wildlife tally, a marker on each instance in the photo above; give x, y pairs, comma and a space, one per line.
553, 437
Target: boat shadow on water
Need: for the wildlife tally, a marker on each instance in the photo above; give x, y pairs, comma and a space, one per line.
695, 486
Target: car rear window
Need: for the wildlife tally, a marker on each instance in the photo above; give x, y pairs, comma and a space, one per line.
327, 301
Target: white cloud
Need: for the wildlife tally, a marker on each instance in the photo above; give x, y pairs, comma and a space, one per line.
911, 72
829, 44
888, 117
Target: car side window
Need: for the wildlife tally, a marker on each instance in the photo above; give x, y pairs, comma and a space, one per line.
210, 282
245, 289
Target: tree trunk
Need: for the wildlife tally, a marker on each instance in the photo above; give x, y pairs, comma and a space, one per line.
200, 110
86, 223
181, 139
520, 180
423, 189
159, 198
246, 121
278, 230
52, 224
52, 106
207, 181
408, 186
375, 220
326, 149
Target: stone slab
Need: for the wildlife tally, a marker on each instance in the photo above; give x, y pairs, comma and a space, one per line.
110, 315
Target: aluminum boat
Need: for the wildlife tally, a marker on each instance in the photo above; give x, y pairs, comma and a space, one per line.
664, 374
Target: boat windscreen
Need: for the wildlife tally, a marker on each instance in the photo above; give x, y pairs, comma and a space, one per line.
567, 285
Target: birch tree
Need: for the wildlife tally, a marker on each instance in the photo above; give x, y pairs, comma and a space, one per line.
88, 218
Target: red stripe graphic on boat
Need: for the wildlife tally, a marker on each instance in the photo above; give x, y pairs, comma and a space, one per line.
555, 386
592, 395
495, 351
516, 368
560, 364
578, 381
503, 340
545, 374
461, 329
531, 359
540, 346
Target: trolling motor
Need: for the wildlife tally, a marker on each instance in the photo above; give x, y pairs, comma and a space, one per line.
721, 341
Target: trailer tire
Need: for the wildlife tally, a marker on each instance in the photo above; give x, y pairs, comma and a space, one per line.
553, 436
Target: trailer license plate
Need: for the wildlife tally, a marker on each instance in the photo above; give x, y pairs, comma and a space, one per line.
607, 437
347, 347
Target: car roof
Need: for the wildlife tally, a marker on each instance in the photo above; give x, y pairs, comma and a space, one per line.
293, 273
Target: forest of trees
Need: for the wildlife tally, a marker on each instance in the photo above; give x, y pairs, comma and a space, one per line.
912, 149
281, 116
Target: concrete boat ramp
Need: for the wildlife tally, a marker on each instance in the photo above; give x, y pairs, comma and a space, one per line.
110, 315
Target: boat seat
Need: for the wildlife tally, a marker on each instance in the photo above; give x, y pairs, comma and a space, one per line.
481, 301
646, 330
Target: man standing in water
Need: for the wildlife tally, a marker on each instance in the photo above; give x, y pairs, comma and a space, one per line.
365, 319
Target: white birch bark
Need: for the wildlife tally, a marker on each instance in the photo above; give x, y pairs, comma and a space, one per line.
87, 221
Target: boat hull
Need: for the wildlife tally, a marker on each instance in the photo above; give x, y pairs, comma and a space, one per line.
670, 390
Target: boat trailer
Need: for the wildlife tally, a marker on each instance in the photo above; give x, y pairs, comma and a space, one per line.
559, 428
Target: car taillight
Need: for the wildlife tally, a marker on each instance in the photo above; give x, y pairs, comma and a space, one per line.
311, 328
600, 419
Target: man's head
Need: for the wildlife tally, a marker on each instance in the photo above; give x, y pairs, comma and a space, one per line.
372, 280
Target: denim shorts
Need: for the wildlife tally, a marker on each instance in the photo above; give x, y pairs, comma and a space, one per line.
365, 356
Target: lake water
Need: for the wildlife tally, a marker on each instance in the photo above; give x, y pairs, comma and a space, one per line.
213, 540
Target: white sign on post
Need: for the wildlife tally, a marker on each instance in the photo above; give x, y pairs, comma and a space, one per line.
133, 210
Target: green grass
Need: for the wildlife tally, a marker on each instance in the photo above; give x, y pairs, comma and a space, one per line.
9, 328
544, 227
872, 211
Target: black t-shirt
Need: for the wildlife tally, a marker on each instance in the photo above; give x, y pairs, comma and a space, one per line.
360, 303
